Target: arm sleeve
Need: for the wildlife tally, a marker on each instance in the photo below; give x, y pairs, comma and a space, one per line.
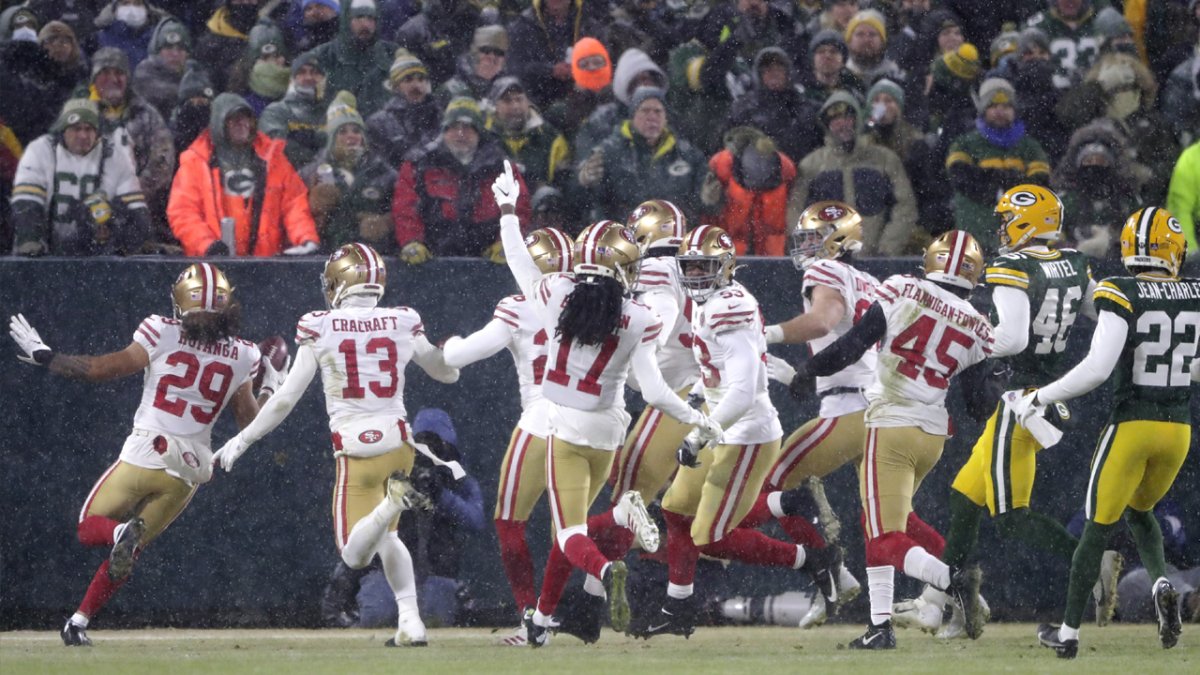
520, 263
654, 390
432, 361
1012, 326
1094, 369
459, 351
277, 408
741, 363
849, 348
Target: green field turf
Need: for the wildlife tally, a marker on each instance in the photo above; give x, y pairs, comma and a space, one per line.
1004, 648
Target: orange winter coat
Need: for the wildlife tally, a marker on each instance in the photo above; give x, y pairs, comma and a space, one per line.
757, 221
198, 202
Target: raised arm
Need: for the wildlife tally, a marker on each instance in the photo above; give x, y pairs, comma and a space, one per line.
507, 190
110, 366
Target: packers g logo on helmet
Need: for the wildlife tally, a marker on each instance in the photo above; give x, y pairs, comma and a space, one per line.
706, 262
954, 258
828, 229
607, 249
657, 222
1152, 237
1028, 212
201, 288
353, 269
551, 249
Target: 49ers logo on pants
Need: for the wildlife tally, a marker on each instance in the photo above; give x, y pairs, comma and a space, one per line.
370, 436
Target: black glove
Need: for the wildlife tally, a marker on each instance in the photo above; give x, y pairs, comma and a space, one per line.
218, 247
688, 453
696, 400
803, 385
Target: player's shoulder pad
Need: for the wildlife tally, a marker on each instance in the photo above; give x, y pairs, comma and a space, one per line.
150, 331
831, 273
1010, 269
1113, 294
657, 272
509, 310
730, 309
889, 289
308, 328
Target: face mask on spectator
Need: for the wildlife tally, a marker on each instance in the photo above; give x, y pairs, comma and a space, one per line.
24, 34
132, 15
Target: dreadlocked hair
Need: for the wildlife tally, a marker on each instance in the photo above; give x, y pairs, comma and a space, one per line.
210, 327
593, 310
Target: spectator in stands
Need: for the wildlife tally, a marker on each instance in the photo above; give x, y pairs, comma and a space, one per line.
985, 162
357, 61
10, 155
888, 128
1183, 197
852, 168
128, 25
477, 69
1070, 25
299, 119
233, 172
410, 118
835, 15
29, 85
439, 34
349, 184
643, 159
443, 201
866, 38
653, 27
951, 100
156, 79
735, 32
226, 38
79, 16
1181, 99
318, 24
540, 39
261, 75
190, 116
634, 70
921, 35
827, 72
1031, 73
1098, 189
536, 148
75, 194
592, 72
776, 106
748, 184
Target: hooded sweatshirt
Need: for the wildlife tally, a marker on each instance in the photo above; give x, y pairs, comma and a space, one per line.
605, 119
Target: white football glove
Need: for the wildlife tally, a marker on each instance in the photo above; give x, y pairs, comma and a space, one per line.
506, 189
273, 379
779, 370
707, 431
1027, 407
229, 453
307, 248
27, 339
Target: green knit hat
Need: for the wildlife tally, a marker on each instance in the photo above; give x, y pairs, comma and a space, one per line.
78, 111
342, 110
463, 109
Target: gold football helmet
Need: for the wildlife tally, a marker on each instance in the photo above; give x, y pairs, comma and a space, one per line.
706, 261
827, 229
1028, 212
657, 222
353, 269
201, 288
551, 249
1152, 237
954, 258
607, 248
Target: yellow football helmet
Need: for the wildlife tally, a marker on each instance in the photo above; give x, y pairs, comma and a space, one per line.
551, 249
607, 248
657, 222
353, 269
201, 288
706, 261
1152, 237
954, 258
1028, 212
827, 229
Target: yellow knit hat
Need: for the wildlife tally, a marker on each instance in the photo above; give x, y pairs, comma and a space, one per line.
869, 17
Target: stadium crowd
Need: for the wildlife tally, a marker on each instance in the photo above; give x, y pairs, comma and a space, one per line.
261, 127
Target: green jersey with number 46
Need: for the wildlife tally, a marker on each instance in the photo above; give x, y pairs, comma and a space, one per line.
1055, 281
1152, 379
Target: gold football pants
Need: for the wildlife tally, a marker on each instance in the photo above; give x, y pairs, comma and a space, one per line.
574, 476
1134, 466
361, 483
818, 448
647, 461
125, 491
895, 461
720, 492
522, 476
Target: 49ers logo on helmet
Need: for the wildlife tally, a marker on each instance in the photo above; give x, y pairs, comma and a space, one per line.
725, 240
628, 236
831, 213
1023, 198
531, 239
370, 436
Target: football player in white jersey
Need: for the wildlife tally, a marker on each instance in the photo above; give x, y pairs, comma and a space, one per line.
596, 334
716, 486
194, 366
362, 350
928, 334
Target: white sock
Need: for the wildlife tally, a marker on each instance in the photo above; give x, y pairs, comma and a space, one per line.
620, 515
1065, 632
540, 619
679, 592
593, 586
775, 504
367, 533
118, 531
880, 587
919, 564
935, 597
398, 568
79, 620
801, 556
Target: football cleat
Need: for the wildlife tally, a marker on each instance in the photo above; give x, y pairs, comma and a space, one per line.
1166, 606
410, 631
956, 627
677, 617
918, 613
518, 638
1105, 590
586, 622
537, 636
964, 590
1048, 636
639, 521
124, 550
876, 637
817, 613
618, 604
400, 491
822, 565
848, 586
74, 635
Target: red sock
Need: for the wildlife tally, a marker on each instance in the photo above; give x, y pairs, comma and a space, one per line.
681, 551
760, 513
924, 534
889, 549
752, 547
518, 563
583, 553
613, 540
554, 580
99, 592
97, 531
802, 531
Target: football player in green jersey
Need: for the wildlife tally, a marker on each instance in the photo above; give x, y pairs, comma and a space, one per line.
1146, 337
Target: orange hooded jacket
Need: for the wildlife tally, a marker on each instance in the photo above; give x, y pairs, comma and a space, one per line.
757, 221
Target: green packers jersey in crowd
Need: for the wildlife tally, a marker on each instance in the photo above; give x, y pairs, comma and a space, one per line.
1055, 282
1073, 50
1152, 380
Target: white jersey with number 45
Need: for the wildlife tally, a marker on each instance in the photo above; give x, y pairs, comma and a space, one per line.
362, 353
932, 335
857, 289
